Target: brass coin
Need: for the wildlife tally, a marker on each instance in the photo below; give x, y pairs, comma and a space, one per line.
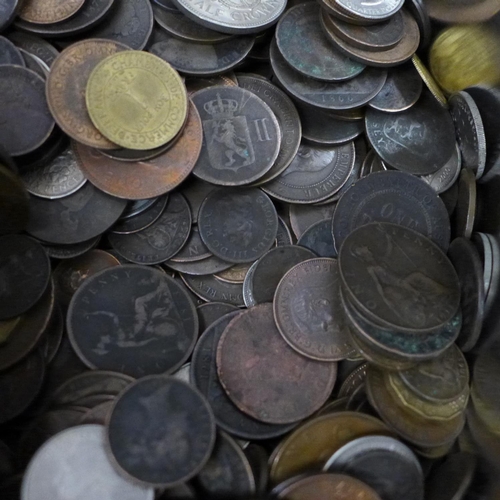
136, 100
49, 11
469, 11
428, 79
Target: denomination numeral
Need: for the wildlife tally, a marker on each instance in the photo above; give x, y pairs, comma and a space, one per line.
261, 129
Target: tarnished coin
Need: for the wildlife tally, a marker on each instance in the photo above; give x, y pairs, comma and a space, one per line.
408, 282
127, 115
373, 11
9, 53
294, 386
465, 212
212, 311
288, 119
208, 266
234, 17
77, 461
307, 49
49, 12
401, 90
14, 202
161, 240
314, 175
419, 140
25, 274
35, 64
445, 178
154, 410
34, 45
66, 86
209, 288
194, 250
70, 251
8, 11
195, 191
241, 136
302, 217
238, 225
235, 274
308, 310
160, 336
394, 197
202, 59
73, 219
319, 239
57, 179
470, 132
143, 220
345, 95
22, 99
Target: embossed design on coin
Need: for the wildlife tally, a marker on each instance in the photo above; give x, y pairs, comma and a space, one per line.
370, 9
49, 11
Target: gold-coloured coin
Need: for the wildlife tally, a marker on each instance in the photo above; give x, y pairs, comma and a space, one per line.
136, 100
462, 56
429, 81
7, 327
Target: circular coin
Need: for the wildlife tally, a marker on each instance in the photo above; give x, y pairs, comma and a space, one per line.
445, 178
49, 11
370, 10
319, 239
132, 319
161, 431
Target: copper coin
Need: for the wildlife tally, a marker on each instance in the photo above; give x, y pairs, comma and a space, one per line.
49, 11
66, 86
141, 180
264, 376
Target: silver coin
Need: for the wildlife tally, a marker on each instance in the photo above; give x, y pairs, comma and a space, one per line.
248, 297
183, 373
446, 176
375, 10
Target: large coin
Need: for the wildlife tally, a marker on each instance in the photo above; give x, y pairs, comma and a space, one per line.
49, 11
308, 311
370, 10
395, 197
241, 136
264, 376
419, 140
238, 225
399, 277
135, 320
161, 431
124, 112
77, 461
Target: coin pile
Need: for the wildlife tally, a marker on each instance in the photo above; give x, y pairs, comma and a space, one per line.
247, 249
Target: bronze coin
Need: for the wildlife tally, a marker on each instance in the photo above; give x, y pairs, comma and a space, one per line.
66, 86
141, 180
49, 11
264, 376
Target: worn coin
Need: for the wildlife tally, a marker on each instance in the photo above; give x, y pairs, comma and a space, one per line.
308, 310
53, 11
143, 220
194, 250
14, 202
70, 251
9, 53
210, 265
302, 217
195, 191
241, 136
319, 239
22, 96
308, 50
35, 64
314, 175
164, 328
339, 96
34, 45
235, 274
445, 178
212, 311
419, 140
465, 212
252, 338
248, 298
238, 225
161, 431
373, 11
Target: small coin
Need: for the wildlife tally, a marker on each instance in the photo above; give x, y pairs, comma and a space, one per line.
465, 212
14, 203
419, 140
308, 310
22, 99
314, 175
445, 178
9, 53
302, 217
127, 115
372, 11
235, 110
144, 219
238, 225
49, 12
212, 311
159, 409
319, 239
77, 458
252, 337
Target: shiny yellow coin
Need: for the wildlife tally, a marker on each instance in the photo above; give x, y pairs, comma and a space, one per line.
429, 80
465, 55
136, 100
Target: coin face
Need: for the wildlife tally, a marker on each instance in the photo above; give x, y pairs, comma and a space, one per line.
319, 239
53, 11
444, 180
302, 217
253, 338
194, 250
124, 112
166, 334
238, 225
373, 10
159, 409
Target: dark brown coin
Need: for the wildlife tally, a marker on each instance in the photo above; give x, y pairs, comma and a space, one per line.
241, 136
194, 250
20, 385
142, 220
209, 288
314, 175
161, 431
302, 217
24, 274
264, 376
8, 12
161, 240
66, 86
211, 312
319, 239
35, 45
307, 49
238, 225
14, 202
9, 53
22, 99
227, 472
141, 180
271, 267
419, 140
399, 277
74, 219
308, 311
132, 319
70, 274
